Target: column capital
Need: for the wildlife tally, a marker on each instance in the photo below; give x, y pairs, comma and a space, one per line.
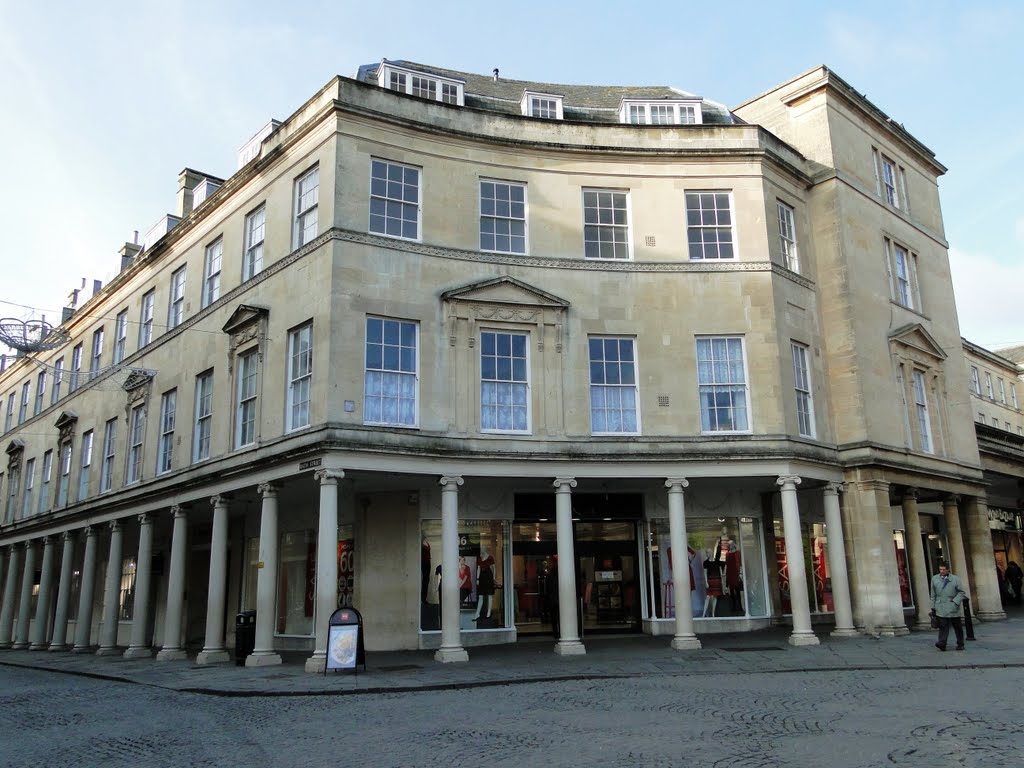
910, 492
951, 500
267, 489
785, 480
45, 540
179, 510
27, 544
564, 482
68, 535
453, 480
329, 476
145, 519
220, 498
90, 531
832, 489
674, 483
115, 525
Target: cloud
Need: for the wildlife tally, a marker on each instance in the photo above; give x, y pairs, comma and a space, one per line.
988, 297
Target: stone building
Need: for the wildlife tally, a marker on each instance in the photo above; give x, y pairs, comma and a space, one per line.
478, 356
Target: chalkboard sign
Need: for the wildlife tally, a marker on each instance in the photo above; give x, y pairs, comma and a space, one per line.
345, 640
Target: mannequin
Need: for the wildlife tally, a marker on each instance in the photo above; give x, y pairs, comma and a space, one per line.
424, 569
734, 577
713, 580
484, 584
465, 581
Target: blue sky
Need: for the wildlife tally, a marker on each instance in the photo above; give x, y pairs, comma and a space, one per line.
105, 103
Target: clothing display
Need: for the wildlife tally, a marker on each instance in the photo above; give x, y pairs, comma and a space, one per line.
713, 576
485, 580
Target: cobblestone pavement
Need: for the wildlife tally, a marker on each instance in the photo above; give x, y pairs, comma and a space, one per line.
946, 717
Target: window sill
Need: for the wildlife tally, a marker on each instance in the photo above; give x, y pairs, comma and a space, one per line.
397, 237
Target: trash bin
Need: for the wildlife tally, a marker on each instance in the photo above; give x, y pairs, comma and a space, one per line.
245, 635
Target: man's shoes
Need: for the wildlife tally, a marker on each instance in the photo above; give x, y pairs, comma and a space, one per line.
959, 647
940, 646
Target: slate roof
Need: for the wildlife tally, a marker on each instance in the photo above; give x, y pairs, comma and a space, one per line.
1014, 353
583, 103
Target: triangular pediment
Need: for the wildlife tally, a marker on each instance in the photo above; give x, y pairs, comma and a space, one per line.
66, 418
137, 378
505, 290
917, 337
15, 446
244, 315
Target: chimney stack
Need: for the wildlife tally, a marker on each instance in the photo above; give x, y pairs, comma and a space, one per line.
495, 74
187, 181
128, 253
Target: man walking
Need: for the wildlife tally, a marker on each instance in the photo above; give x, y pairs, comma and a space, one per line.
947, 598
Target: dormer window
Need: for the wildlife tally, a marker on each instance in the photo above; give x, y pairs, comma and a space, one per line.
664, 112
547, 106
423, 85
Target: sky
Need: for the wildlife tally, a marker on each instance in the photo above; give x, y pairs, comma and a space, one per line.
105, 103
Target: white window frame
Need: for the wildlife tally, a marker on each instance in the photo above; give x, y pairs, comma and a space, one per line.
40, 393
1002, 392
618, 380
168, 413
120, 336
85, 465
596, 203
246, 398
58, 378
9, 418
176, 301
213, 259
300, 377
146, 318
511, 382
399, 79
1013, 395
388, 196
203, 430
988, 386
499, 213
386, 360
725, 386
44, 482
30, 483
76, 368
25, 398
806, 426
255, 233
96, 355
136, 441
787, 237
306, 207
699, 248
903, 269
924, 426
109, 456
683, 112
889, 177
544, 106
975, 380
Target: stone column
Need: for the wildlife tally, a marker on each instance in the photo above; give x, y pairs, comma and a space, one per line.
39, 642
918, 566
802, 634
451, 638
837, 563
956, 557
326, 564
266, 584
172, 650
25, 601
217, 592
10, 590
83, 626
137, 645
112, 592
59, 640
684, 639
569, 643
986, 601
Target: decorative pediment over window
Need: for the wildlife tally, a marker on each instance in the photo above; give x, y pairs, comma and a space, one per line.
15, 449
248, 323
137, 385
917, 344
504, 300
66, 424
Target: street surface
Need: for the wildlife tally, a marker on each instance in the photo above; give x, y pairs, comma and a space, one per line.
937, 717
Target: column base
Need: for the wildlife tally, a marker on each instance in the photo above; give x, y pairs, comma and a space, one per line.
38, 647
922, 626
844, 632
171, 654
570, 648
112, 650
19, 647
808, 638
316, 663
890, 631
262, 659
451, 655
5, 646
82, 649
685, 643
990, 615
54, 647
215, 656
138, 652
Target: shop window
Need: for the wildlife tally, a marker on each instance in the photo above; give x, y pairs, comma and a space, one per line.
126, 609
481, 570
903, 568
816, 567
296, 583
725, 563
